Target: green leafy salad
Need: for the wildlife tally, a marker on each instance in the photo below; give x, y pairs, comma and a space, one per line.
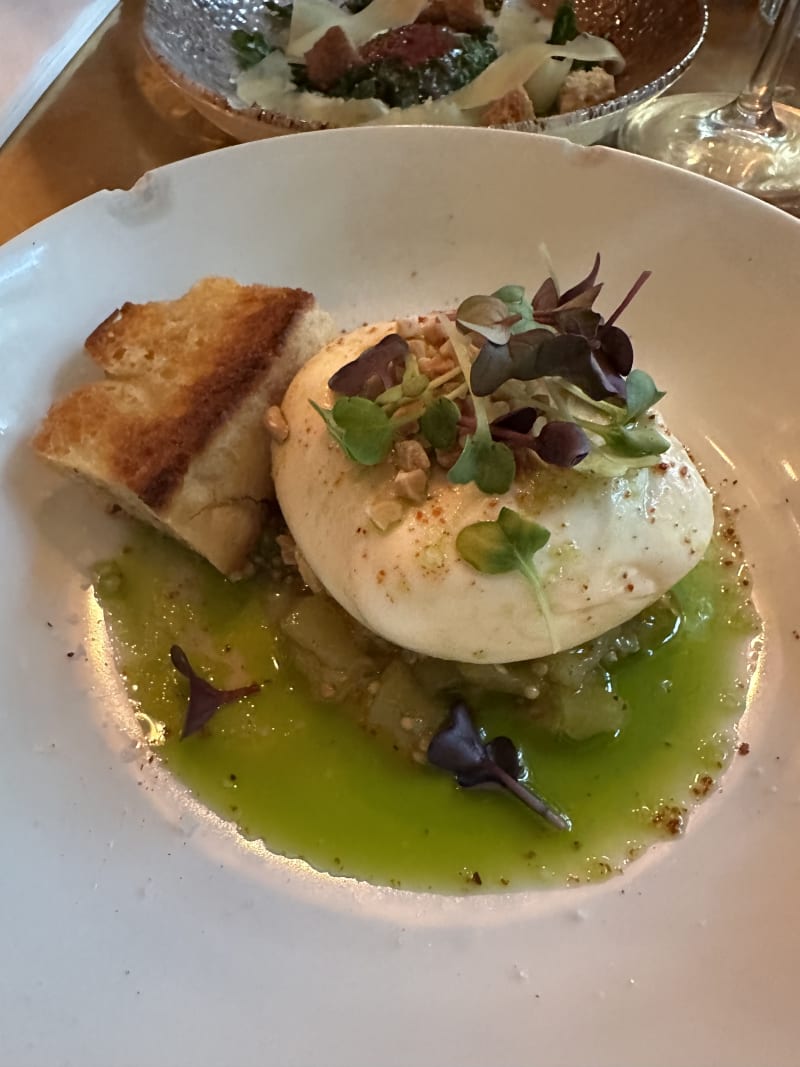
480, 63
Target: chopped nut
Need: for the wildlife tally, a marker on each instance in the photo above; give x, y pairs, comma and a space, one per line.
407, 328
433, 331
411, 456
293, 557
385, 512
411, 485
308, 576
276, 424
435, 364
418, 347
285, 543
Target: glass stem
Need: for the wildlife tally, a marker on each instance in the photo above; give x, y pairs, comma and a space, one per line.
753, 107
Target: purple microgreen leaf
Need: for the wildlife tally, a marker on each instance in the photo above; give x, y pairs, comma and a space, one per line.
563, 444
458, 747
545, 298
503, 752
547, 302
571, 357
204, 698
582, 301
520, 421
493, 367
637, 285
585, 284
541, 354
616, 348
487, 316
582, 322
377, 361
497, 364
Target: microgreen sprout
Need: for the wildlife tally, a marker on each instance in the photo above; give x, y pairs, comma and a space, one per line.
459, 748
205, 699
509, 543
561, 360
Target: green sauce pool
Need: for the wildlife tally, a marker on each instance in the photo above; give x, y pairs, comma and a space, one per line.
304, 777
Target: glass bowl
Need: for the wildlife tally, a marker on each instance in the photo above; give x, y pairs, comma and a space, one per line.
190, 40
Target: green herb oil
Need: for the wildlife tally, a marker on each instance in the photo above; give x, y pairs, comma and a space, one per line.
305, 778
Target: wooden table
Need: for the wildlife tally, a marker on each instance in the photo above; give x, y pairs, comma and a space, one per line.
111, 115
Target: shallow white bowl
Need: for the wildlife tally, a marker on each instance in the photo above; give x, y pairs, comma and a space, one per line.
137, 929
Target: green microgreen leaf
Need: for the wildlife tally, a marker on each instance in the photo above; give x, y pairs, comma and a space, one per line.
504, 544
509, 543
490, 464
439, 423
510, 294
360, 427
513, 296
390, 397
414, 382
250, 48
565, 25
488, 316
642, 393
636, 441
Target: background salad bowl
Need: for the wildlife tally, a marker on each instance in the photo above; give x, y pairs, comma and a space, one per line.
135, 925
191, 43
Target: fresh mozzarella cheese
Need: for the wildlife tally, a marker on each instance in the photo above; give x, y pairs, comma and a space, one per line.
616, 544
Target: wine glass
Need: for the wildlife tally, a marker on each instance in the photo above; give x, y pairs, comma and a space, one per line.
741, 142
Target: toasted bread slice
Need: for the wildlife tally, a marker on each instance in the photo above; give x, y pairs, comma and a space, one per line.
175, 429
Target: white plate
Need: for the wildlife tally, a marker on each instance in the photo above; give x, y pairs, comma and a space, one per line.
134, 929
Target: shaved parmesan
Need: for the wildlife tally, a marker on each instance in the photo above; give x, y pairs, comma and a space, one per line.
269, 85
311, 16
519, 23
316, 17
545, 83
518, 66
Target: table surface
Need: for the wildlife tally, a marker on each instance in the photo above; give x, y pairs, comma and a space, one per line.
111, 115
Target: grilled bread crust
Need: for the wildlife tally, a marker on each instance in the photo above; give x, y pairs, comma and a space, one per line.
175, 429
